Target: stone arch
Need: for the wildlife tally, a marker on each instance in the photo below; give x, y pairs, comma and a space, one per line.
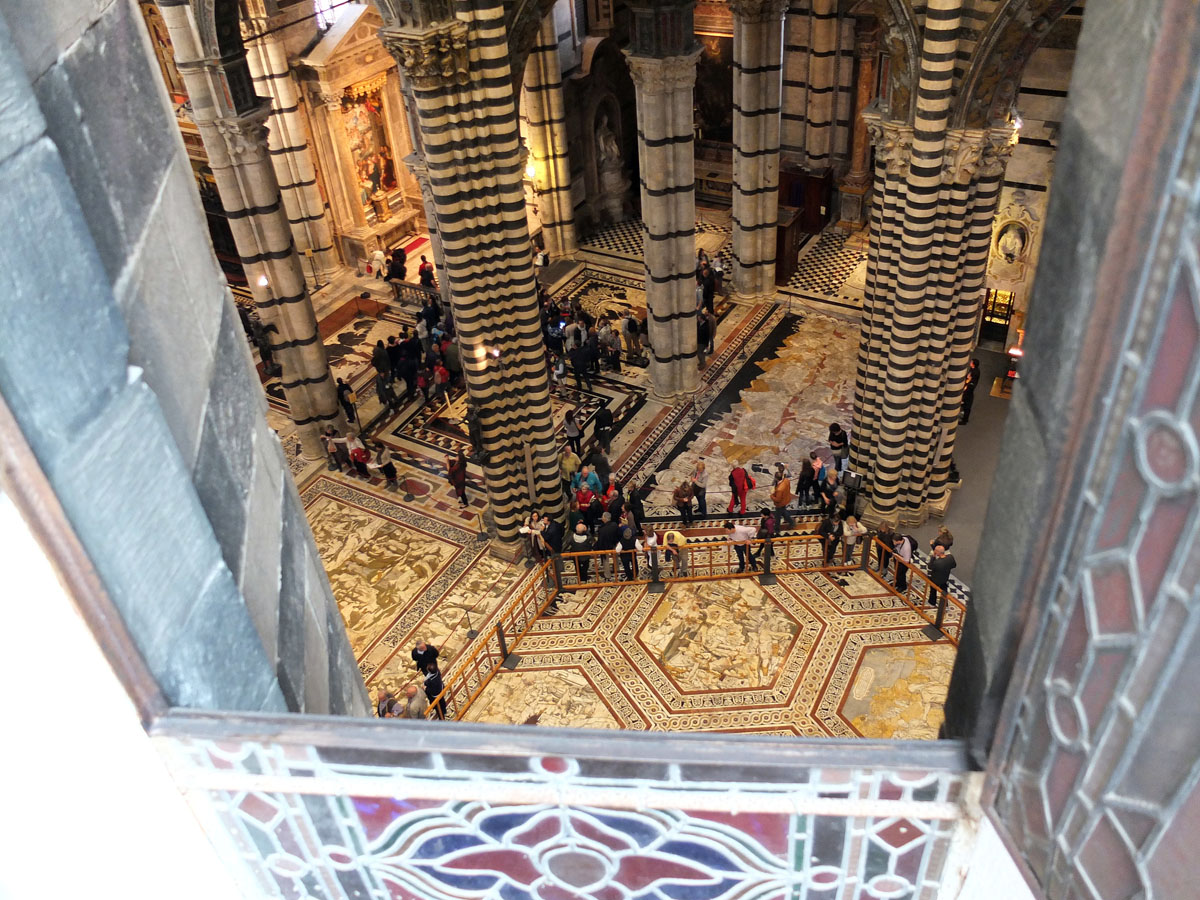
900, 37
523, 18
990, 86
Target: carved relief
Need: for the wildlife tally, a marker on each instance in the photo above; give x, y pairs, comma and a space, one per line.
431, 57
961, 156
1013, 235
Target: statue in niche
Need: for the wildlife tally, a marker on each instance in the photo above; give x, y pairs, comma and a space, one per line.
614, 182
1012, 241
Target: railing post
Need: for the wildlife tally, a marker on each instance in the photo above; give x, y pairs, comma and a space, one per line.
864, 564
767, 577
656, 585
510, 660
934, 632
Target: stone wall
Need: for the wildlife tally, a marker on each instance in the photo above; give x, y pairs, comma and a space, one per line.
124, 362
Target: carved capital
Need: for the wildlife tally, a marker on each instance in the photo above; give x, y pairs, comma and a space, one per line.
893, 142
758, 11
998, 146
653, 76
431, 56
245, 137
961, 156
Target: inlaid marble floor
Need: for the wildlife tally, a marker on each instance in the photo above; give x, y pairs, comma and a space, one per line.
802, 657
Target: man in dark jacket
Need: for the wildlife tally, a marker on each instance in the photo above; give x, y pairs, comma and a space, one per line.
830, 531
602, 427
423, 654
940, 564
607, 538
627, 541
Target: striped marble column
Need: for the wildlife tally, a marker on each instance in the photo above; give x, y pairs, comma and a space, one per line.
462, 89
231, 122
811, 81
289, 151
901, 427
416, 164
757, 62
547, 120
666, 159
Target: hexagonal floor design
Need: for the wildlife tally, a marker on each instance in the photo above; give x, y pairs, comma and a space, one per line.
806, 656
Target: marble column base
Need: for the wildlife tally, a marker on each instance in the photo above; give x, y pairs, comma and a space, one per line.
854, 204
509, 551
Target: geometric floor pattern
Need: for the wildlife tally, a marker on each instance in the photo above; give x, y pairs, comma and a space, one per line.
805, 656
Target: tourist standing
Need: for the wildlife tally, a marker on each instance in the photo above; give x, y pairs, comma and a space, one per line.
700, 487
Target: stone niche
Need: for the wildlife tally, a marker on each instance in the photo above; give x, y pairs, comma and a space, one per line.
361, 134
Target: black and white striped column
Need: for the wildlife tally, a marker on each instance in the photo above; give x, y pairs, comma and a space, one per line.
462, 89
757, 65
666, 158
289, 150
236, 145
547, 132
900, 427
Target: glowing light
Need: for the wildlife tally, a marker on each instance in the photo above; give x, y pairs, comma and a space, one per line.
530, 170
1015, 351
263, 281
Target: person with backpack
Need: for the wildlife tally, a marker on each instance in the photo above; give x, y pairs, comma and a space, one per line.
581, 542
627, 542
425, 274
740, 483
347, 398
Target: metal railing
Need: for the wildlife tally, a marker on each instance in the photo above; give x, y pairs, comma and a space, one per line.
703, 561
481, 661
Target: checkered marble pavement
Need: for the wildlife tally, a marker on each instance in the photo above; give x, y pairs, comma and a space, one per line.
825, 265
625, 239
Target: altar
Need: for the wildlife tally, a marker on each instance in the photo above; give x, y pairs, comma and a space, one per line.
361, 135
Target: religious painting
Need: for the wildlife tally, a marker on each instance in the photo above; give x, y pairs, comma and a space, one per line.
714, 89
366, 133
160, 40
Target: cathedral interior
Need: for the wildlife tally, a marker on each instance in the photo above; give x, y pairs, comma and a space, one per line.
317, 315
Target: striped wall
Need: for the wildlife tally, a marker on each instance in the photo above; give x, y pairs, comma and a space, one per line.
289, 149
461, 85
236, 146
547, 133
757, 61
817, 83
666, 157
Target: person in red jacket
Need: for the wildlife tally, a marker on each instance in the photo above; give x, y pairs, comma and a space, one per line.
739, 485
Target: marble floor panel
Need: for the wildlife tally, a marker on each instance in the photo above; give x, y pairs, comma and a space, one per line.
779, 409
400, 575
806, 656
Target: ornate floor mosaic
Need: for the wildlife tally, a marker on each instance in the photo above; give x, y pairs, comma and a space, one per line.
400, 574
803, 657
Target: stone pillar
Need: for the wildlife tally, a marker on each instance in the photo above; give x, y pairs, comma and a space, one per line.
290, 153
548, 142
935, 199
855, 188
231, 121
667, 162
757, 62
458, 73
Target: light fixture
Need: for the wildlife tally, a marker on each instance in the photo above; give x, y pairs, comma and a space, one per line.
263, 281
530, 170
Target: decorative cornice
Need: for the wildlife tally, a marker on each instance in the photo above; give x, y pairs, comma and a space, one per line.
654, 75
432, 56
999, 144
752, 12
